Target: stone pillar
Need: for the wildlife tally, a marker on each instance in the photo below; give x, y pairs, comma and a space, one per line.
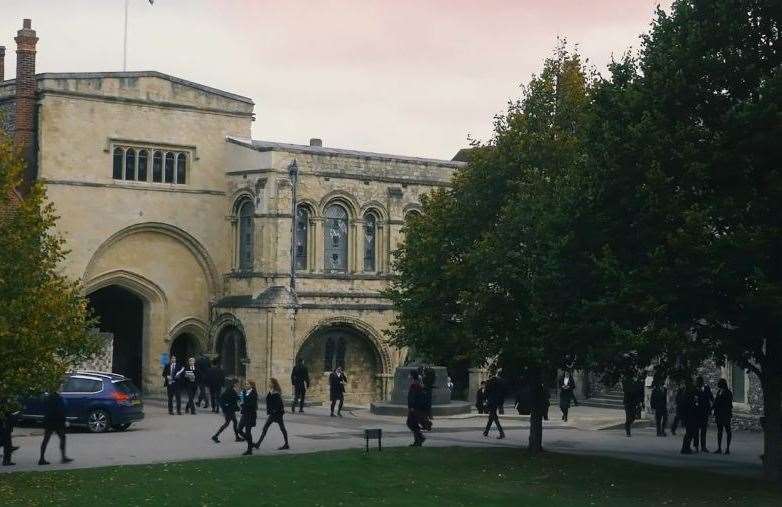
476, 375
2, 64
24, 120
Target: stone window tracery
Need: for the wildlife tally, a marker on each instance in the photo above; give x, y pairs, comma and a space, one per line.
302, 231
370, 243
246, 214
336, 239
131, 163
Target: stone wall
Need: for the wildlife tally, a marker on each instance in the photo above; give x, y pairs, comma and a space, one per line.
102, 361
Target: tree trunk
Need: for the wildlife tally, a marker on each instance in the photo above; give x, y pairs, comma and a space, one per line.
772, 427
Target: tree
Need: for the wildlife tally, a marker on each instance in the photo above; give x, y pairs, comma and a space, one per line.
44, 322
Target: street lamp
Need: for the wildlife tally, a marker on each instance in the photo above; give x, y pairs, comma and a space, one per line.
293, 174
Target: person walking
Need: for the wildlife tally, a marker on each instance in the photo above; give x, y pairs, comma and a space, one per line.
723, 414
494, 398
337, 381
658, 402
689, 414
275, 410
229, 403
249, 415
7, 420
502, 392
705, 401
202, 380
567, 388
172, 374
416, 408
480, 398
300, 379
632, 400
216, 382
54, 422
681, 402
191, 379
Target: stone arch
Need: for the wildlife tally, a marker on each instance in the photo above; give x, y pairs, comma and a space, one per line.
377, 208
238, 197
223, 324
194, 327
412, 207
192, 244
346, 199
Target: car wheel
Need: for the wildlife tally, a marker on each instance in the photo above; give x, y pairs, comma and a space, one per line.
98, 421
121, 427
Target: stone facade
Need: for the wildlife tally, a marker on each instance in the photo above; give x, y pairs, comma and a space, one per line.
203, 267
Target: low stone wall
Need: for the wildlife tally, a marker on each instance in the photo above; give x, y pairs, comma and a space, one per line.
102, 361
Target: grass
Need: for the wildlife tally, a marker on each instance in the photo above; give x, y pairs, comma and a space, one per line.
399, 476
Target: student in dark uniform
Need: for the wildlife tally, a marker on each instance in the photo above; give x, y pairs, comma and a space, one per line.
632, 399
337, 381
172, 376
723, 413
567, 388
202, 379
249, 415
705, 401
689, 415
300, 378
229, 402
416, 408
6, 429
216, 382
190, 382
681, 402
54, 422
494, 397
658, 402
480, 398
275, 410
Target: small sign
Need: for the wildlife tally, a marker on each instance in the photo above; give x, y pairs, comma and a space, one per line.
164, 359
374, 434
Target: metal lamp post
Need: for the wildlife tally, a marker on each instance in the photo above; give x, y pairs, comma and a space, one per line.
293, 174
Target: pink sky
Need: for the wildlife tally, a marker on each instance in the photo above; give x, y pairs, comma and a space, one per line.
403, 76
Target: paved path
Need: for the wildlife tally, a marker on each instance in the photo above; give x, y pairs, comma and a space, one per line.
163, 438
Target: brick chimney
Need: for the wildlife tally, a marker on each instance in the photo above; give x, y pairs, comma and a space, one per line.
2, 64
24, 120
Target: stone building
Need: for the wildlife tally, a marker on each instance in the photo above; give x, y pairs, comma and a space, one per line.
180, 225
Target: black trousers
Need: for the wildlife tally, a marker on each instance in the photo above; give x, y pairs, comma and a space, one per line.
493, 419
246, 431
173, 391
48, 434
274, 418
191, 390
230, 417
202, 395
414, 423
6, 429
341, 400
299, 392
661, 420
703, 428
629, 418
565, 409
724, 426
690, 436
677, 419
214, 394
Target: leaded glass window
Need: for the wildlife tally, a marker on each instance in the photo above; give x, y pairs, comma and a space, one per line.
130, 164
302, 230
370, 235
119, 155
169, 174
246, 212
336, 239
181, 168
143, 156
157, 167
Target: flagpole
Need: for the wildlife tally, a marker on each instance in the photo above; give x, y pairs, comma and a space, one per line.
125, 40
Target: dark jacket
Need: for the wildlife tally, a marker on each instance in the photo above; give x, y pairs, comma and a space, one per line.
681, 401
177, 374
705, 400
337, 385
250, 408
723, 406
216, 378
54, 412
203, 367
495, 393
229, 400
480, 399
632, 394
566, 392
658, 400
300, 376
274, 404
415, 397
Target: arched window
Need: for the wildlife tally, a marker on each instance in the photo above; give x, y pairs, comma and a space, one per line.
169, 174
370, 243
336, 239
119, 156
143, 156
302, 230
181, 168
412, 214
246, 212
233, 352
157, 167
130, 164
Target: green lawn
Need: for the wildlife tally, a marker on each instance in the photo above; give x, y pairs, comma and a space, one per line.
400, 476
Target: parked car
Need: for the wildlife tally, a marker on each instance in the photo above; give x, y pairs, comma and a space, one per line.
97, 400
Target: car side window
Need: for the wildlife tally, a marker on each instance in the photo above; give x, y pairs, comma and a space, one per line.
82, 385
